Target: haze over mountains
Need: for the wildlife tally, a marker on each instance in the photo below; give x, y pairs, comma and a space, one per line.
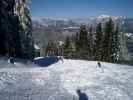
58, 28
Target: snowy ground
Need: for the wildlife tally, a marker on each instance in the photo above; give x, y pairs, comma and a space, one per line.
61, 80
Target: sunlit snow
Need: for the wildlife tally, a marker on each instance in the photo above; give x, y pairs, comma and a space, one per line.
61, 80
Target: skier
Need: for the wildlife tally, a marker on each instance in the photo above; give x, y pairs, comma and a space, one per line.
61, 58
82, 96
11, 60
99, 66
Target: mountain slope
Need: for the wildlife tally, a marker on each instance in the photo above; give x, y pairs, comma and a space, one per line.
61, 80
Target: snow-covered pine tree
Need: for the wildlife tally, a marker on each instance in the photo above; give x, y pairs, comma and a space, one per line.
124, 54
115, 45
111, 43
27, 44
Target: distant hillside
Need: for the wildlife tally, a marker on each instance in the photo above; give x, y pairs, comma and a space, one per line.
58, 28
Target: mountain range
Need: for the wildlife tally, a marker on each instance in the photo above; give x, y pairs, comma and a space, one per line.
48, 28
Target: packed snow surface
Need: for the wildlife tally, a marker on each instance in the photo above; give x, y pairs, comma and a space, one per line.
61, 80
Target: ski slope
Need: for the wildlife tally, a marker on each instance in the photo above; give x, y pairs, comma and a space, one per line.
61, 80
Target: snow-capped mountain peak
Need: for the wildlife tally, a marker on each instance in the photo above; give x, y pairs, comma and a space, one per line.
103, 16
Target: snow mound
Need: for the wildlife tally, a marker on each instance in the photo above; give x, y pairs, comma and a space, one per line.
61, 80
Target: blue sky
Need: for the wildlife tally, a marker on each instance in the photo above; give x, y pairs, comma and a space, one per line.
81, 8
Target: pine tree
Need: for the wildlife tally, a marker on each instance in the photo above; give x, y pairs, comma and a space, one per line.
17, 38
77, 45
91, 43
27, 44
115, 45
3, 16
83, 43
15, 43
7, 21
67, 48
124, 54
83, 37
107, 40
98, 42
15, 29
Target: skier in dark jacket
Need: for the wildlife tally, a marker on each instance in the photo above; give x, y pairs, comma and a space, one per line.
100, 66
11, 60
82, 96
